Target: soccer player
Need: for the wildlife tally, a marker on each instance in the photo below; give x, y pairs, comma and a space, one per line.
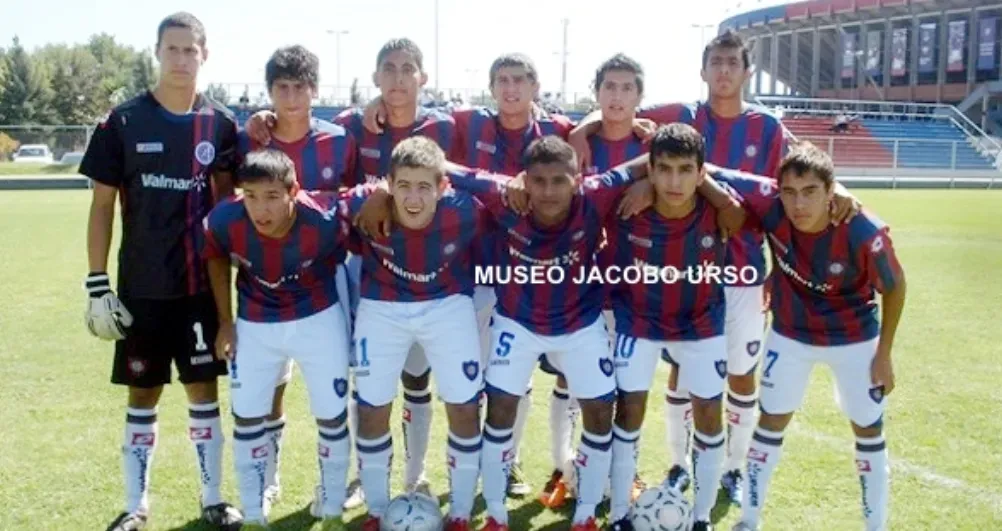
168, 151
678, 315
417, 287
743, 137
324, 157
823, 311
287, 245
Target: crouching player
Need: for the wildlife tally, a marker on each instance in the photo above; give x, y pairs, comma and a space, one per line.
823, 311
417, 287
285, 244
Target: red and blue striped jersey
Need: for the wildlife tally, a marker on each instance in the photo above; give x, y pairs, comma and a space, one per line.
754, 141
280, 279
324, 158
607, 154
423, 264
824, 290
482, 143
686, 300
536, 268
374, 150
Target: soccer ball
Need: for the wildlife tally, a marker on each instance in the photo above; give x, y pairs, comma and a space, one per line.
412, 512
660, 509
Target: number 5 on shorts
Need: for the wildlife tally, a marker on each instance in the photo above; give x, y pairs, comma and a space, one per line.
504, 344
771, 358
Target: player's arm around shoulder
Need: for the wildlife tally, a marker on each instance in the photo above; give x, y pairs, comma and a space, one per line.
368, 207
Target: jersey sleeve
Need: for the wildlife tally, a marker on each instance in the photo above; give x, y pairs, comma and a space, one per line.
486, 187
461, 136
665, 113
214, 245
351, 200
350, 159
104, 160
244, 146
882, 267
756, 194
604, 189
228, 157
562, 124
779, 144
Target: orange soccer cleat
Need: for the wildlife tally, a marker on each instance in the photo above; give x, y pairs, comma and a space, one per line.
555, 491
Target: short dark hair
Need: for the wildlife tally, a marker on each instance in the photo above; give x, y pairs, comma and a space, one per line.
294, 63
184, 20
418, 152
678, 140
550, 149
401, 45
514, 60
266, 165
728, 39
804, 158
620, 62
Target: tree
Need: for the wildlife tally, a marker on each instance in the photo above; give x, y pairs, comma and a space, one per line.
76, 88
27, 94
144, 74
115, 68
218, 92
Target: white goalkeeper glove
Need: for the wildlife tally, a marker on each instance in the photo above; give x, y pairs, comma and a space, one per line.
106, 317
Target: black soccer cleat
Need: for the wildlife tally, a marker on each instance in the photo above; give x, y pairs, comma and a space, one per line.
678, 479
702, 526
223, 516
128, 522
623, 524
731, 483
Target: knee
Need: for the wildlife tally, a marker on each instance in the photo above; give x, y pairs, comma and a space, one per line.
776, 423
706, 414
373, 421
630, 410
868, 432
415, 383
202, 392
143, 398
596, 415
464, 419
742, 384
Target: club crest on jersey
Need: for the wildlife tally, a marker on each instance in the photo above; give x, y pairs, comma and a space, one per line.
707, 241
877, 245
605, 364
836, 268
327, 173
752, 347
751, 151
205, 152
877, 394
578, 235
721, 366
449, 248
637, 240
765, 188
340, 387
471, 369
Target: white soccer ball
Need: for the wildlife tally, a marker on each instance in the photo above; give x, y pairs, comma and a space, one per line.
412, 512
660, 509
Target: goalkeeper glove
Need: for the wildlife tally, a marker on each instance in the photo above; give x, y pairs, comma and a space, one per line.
106, 317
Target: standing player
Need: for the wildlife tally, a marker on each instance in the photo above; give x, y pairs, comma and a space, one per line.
160, 150
417, 287
823, 311
743, 137
324, 157
287, 245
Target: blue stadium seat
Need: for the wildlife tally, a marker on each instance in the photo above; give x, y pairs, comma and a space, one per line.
927, 144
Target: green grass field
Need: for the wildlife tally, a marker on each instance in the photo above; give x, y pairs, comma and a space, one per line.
62, 421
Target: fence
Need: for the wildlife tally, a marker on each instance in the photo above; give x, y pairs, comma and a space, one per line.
900, 153
65, 142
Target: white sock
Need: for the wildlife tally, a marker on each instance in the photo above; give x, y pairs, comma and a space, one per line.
874, 479
353, 424
496, 459
561, 427
624, 469
463, 459
333, 454
138, 447
274, 429
251, 452
740, 425
417, 430
521, 417
707, 460
376, 458
678, 422
592, 463
763, 455
205, 430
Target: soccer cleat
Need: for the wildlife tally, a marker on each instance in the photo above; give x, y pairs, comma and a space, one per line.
354, 496
731, 483
589, 525
371, 523
223, 516
555, 491
678, 479
457, 524
421, 486
623, 524
128, 522
744, 526
702, 526
335, 523
517, 485
492, 525
638, 487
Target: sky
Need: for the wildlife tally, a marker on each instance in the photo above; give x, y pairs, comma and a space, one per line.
242, 35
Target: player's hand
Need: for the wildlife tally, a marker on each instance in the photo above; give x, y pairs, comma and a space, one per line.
259, 126
106, 317
843, 208
882, 370
637, 198
376, 215
374, 116
578, 139
226, 341
515, 197
730, 219
644, 128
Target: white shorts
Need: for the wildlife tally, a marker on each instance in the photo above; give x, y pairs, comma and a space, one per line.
483, 302
787, 369
446, 330
318, 343
744, 327
583, 356
702, 365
